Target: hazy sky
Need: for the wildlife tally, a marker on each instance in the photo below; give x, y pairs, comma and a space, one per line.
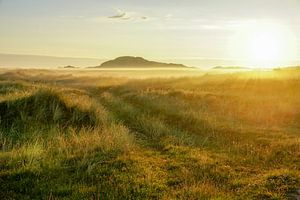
154, 29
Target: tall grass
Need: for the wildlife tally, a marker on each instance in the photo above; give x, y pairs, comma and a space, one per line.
232, 136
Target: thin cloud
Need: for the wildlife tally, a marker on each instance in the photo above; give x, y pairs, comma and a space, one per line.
117, 16
122, 15
168, 16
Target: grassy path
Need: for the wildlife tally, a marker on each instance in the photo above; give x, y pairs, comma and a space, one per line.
139, 140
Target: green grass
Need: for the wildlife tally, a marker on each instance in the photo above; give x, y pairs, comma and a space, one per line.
233, 136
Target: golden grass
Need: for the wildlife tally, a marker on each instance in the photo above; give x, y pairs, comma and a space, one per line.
217, 136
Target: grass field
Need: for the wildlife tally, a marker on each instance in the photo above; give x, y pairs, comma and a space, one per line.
108, 135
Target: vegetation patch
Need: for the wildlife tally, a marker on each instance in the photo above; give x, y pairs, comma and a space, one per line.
38, 112
212, 137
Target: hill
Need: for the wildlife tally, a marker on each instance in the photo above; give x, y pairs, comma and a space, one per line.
230, 67
137, 62
293, 68
39, 61
69, 67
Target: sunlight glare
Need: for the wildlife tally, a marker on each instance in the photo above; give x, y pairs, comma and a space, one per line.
265, 45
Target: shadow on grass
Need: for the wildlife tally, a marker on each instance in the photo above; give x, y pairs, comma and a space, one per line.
22, 117
98, 176
7, 87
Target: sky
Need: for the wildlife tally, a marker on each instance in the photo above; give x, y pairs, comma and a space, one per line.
157, 29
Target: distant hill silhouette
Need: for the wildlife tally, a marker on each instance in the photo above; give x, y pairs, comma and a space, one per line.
293, 68
137, 62
70, 67
229, 67
38, 61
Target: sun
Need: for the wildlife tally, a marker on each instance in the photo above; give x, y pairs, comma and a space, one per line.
265, 45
